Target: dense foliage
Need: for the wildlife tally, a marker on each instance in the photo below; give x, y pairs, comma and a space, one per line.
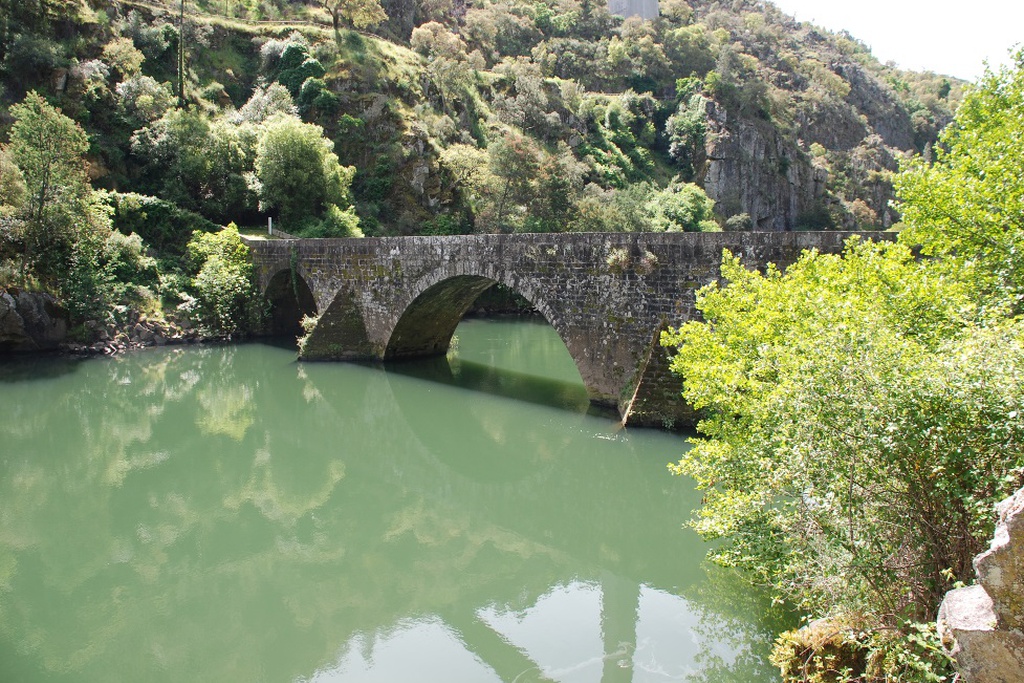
585, 104
968, 207
226, 299
298, 175
864, 412
60, 234
56, 227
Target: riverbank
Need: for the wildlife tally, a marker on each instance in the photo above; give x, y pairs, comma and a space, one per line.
36, 322
137, 333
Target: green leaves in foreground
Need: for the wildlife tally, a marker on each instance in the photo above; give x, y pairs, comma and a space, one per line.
968, 207
859, 427
863, 412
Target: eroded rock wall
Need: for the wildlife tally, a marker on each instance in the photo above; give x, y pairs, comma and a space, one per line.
30, 321
984, 624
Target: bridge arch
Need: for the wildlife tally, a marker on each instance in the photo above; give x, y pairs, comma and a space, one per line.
425, 326
291, 298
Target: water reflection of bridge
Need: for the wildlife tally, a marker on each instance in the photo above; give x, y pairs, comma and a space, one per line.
475, 508
226, 514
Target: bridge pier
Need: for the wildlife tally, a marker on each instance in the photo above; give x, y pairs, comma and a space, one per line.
607, 295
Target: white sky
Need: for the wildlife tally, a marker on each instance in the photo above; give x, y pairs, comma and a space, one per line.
947, 37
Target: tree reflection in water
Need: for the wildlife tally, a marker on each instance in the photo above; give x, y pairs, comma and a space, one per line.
225, 513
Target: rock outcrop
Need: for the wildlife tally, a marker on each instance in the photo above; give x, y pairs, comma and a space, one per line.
984, 624
645, 9
751, 168
30, 321
35, 321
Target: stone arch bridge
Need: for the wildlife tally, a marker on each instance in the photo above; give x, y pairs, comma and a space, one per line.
608, 296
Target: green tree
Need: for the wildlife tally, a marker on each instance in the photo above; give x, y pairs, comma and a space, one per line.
471, 174
267, 101
296, 66
681, 207
525, 103
48, 147
636, 56
514, 160
686, 131
13, 191
354, 13
226, 300
858, 428
968, 206
124, 57
63, 222
144, 97
447, 60
199, 163
689, 50
559, 184
297, 172
862, 413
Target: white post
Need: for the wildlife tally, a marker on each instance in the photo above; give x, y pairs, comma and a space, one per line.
270, 225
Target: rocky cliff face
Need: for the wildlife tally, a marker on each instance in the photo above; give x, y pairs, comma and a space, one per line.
984, 624
876, 107
803, 127
30, 321
829, 168
751, 168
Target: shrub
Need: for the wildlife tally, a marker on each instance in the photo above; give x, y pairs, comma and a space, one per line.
968, 206
224, 299
739, 222
861, 418
297, 172
647, 264
336, 223
144, 97
682, 207
836, 651
164, 226
445, 224
308, 324
617, 260
32, 59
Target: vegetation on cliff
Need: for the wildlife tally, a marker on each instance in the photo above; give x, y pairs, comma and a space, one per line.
862, 412
483, 116
451, 117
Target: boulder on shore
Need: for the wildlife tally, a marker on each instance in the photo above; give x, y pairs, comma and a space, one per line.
31, 321
983, 625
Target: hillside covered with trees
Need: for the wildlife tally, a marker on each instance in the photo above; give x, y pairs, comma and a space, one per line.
486, 117
430, 117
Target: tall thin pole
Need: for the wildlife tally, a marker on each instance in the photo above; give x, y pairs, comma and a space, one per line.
181, 54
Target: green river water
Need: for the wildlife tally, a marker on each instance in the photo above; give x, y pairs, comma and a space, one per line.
228, 514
